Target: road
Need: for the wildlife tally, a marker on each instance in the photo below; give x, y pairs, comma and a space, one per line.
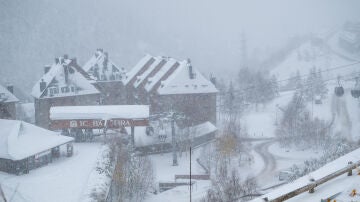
269, 160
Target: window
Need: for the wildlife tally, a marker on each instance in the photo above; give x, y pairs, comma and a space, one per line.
65, 89
54, 90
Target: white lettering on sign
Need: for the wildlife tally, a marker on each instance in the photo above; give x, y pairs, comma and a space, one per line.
118, 123
84, 123
73, 124
97, 123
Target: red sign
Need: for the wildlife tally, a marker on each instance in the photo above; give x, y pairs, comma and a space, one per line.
96, 123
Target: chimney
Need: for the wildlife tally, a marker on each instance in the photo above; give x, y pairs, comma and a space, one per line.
56, 60
213, 79
10, 88
66, 56
191, 72
42, 85
66, 73
106, 54
73, 61
46, 68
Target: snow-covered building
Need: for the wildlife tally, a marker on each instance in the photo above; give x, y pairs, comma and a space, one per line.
24, 146
108, 76
64, 83
7, 102
165, 83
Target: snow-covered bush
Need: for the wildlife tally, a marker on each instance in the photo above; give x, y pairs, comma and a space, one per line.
230, 188
132, 175
297, 128
334, 149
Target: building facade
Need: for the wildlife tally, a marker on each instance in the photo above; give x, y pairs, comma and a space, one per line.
108, 78
167, 84
19, 154
64, 83
163, 83
7, 102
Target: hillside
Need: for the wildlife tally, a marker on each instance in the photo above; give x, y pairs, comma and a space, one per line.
315, 53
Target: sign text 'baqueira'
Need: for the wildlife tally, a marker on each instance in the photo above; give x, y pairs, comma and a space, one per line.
97, 123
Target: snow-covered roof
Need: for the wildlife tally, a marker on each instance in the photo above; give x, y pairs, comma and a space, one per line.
169, 76
101, 68
139, 79
6, 96
141, 139
99, 112
151, 81
203, 128
19, 140
56, 77
135, 70
179, 82
351, 37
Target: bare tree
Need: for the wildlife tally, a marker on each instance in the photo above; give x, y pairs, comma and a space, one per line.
132, 175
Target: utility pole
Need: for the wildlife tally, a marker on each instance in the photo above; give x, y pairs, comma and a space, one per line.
3, 195
173, 141
190, 175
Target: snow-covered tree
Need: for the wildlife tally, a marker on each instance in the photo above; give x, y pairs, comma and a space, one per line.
256, 88
315, 85
294, 82
298, 128
132, 175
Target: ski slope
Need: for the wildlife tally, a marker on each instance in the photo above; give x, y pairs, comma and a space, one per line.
309, 55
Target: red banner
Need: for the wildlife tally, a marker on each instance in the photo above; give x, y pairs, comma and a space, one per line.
96, 124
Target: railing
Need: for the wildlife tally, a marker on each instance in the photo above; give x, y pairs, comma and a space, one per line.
193, 177
311, 187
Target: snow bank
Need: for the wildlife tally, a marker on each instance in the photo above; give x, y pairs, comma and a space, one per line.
66, 179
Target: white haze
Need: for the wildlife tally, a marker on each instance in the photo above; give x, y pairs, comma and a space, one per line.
209, 32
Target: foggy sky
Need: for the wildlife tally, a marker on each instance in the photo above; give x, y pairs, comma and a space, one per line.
209, 32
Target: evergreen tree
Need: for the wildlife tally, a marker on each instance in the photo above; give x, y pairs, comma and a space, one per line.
315, 85
320, 88
274, 85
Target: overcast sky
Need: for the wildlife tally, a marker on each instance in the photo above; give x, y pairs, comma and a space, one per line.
32, 33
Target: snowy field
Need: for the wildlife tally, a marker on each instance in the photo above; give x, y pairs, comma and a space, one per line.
165, 172
66, 179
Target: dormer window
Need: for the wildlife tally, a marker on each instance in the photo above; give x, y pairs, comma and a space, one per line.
112, 77
2, 96
65, 89
72, 88
118, 76
53, 91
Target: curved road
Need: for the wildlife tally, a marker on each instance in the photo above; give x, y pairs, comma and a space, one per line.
268, 158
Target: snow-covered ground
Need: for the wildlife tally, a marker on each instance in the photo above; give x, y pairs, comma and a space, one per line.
343, 183
342, 111
66, 179
165, 172
309, 55
268, 157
